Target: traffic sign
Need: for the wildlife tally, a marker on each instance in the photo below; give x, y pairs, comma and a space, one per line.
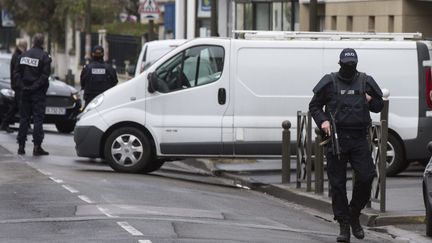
149, 9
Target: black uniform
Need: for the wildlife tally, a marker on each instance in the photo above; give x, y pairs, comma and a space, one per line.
32, 71
347, 99
96, 77
16, 87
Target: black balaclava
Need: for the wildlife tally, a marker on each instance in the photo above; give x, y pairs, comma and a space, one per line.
347, 71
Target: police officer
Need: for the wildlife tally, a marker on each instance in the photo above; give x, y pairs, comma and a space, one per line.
97, 76
348, 96
32, 71
16, 87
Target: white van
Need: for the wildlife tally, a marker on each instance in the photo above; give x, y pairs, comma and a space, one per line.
153, 50
219, 97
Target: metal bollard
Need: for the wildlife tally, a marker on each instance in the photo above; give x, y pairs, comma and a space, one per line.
286, 152
319, 163
383, 149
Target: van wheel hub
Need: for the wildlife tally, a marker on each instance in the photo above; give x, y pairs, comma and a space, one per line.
127, 150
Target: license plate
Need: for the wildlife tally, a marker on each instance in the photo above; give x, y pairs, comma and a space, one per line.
55, 111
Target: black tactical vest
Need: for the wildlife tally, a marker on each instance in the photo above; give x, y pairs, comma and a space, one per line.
349, 103
99, 78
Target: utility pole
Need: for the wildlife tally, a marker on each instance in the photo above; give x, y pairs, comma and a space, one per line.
214, 18
313, 15
88, 31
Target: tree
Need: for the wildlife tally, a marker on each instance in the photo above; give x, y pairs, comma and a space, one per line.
48, 16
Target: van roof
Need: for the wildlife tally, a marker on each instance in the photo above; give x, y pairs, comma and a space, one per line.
326, 35
157, 43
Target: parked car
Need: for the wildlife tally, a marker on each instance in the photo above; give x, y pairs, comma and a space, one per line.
152, 51
220, 97
427, 193
63, 103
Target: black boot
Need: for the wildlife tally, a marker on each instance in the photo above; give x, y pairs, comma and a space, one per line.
21, 149
344, 234
357, 230
38, 150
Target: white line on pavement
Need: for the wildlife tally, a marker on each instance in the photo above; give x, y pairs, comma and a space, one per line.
126, 226
44, 172
144, 241
56, 180
70, 189
85, 199
106, 212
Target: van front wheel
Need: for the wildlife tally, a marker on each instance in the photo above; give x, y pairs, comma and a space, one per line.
128, 150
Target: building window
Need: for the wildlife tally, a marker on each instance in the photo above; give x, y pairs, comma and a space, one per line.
333, 22
350, 23
371, 24
260, 15
391, 23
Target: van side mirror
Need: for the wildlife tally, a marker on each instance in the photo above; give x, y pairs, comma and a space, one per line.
152, 82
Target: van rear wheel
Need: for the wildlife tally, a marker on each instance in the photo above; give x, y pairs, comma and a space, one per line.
128, 150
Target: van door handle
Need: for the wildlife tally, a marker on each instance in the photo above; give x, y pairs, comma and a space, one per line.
222, 96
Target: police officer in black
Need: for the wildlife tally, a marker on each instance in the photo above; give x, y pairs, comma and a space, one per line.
16, 87
32, 71
97, 76
347, 96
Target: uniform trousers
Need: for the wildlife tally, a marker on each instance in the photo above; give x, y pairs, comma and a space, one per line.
354, 150
32, 104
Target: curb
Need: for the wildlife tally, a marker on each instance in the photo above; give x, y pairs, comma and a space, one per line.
368, 217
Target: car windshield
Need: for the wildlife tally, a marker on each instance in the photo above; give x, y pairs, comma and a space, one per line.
4, 68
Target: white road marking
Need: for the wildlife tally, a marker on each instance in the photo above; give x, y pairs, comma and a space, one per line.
56, 180
106, 212
144, 241
85, 199
126, 226
70, 189
44, 172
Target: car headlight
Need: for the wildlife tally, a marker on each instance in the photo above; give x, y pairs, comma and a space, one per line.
76, 96
8, 93
94, 103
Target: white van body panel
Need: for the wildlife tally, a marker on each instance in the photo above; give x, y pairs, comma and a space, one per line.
270, 86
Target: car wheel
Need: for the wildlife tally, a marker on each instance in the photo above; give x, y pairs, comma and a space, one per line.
154, 165
65, 126
128, 150
395, 158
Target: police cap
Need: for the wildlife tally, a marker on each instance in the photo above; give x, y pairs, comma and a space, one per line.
348, 55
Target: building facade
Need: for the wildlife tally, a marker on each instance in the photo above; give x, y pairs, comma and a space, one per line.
371, 16
193, 16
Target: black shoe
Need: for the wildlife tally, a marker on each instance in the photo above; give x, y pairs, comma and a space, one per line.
38, 150
357, 230
344, 234
21, 150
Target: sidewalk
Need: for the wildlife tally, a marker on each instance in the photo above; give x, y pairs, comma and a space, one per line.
404, 204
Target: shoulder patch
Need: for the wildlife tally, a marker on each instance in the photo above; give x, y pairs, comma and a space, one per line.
32, 62
98, 71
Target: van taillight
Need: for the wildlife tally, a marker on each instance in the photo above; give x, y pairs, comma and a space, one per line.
429, 88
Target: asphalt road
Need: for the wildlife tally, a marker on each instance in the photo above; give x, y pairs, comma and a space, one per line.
64, 198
